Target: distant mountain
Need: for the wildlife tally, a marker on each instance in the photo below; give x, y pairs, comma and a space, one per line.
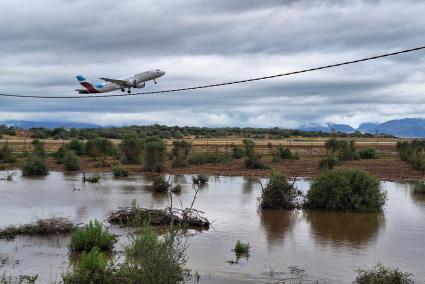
407, 127
328, 128
47, 124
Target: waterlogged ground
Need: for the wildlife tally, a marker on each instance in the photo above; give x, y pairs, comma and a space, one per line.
326, 246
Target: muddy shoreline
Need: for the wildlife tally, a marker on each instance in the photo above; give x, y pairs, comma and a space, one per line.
386, 169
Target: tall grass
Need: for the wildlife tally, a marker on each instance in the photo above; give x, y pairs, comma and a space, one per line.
92, 235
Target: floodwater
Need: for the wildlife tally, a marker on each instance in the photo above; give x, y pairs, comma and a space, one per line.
320, 246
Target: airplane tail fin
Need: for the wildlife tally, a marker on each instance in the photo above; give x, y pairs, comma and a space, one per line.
87, 85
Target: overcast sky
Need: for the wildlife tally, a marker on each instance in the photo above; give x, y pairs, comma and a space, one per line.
45, 43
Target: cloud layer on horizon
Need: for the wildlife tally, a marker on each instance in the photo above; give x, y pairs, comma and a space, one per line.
200, 42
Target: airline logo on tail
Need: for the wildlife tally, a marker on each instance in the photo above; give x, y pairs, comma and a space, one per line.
89, 88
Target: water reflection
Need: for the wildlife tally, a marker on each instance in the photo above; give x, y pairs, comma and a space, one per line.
418, 198
277, 224
249, 184
344, 229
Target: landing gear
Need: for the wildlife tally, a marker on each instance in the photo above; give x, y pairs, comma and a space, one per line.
122, 90
155, 81
129, 91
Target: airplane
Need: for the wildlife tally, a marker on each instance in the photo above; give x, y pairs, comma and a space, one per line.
137, 81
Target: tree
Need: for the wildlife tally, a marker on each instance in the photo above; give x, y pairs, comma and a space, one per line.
131, 148
76, 145
252, 160
38, 148
35, 166
71, 161
100, 148
6, 155
154, 154
180, 153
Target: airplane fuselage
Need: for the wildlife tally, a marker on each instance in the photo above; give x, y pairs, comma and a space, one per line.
137, 81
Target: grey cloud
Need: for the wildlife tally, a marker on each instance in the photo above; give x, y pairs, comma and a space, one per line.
201, 42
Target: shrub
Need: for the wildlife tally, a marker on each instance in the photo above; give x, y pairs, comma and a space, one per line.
200, 179
131, 148
71, 161
76, 145
279, 193
368, 153
6, 155
412, 153
154, 154
160, 184
60, 154
346, 151
207, 158
241, 248
328, 163
92, 236
283, 153
180, 153
35, 166
93, 178
92, 268
419, 187
346, 190
38, 148
99, 148
252, 160
150, 259
120, 171
176, 189
382, 275
237, 151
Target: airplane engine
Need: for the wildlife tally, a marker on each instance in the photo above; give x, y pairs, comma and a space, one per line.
132, 83
141, 85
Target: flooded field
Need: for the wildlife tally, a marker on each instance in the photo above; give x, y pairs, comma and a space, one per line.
327, 246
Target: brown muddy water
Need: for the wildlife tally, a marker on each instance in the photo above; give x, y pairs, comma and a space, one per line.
328, 247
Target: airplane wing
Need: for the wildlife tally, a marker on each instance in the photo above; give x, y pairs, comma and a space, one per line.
116, 81
80, 91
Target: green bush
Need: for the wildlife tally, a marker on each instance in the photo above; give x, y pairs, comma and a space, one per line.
76, 145
60, 154
35, 166
328, 163
279, 193
237, 151
131, 148
71, 161
241, 248
150, 259
208, 158
93, 178
38, 148
200, 179
346, 151
154, 154
180, 153
346, 190
252, 159
283, 153
6, 155
92, 268
413, 153
419, 187
176, 189
383, 275
160, 184
368, 153
120, 171
92, 236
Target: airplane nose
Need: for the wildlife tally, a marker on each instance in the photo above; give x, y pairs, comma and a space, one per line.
162, 73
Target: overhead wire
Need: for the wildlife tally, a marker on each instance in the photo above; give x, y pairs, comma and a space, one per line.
92, 96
